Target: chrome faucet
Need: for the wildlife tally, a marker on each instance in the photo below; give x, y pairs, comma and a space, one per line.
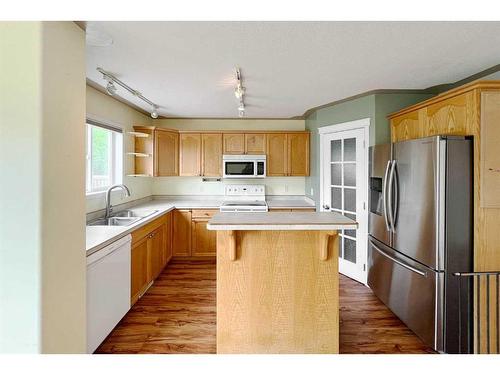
109, 208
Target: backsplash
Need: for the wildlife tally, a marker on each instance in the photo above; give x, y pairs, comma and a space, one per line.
195, 186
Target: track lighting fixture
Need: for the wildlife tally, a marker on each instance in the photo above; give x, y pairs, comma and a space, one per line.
111, 90
239, 92
154, 112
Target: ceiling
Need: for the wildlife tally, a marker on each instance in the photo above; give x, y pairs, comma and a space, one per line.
287, 67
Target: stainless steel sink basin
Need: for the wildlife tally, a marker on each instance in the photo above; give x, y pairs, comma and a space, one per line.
123, 218
115, 221
134, 213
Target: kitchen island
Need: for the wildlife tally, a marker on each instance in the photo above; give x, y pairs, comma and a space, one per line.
277, 281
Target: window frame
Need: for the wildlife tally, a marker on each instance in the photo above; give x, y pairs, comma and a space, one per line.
115, 154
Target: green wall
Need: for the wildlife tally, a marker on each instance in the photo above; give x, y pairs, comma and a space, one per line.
376, 107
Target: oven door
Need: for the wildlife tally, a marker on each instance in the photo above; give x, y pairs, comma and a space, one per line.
239, 169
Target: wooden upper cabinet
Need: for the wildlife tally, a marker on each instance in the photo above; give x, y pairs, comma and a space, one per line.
144, 145
408, 126
190, 154
166, 152
234, 143
447, 116
211, 155
277, 155
489, 155
298, 154
255, 144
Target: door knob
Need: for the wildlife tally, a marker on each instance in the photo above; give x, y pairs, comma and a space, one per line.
326, 207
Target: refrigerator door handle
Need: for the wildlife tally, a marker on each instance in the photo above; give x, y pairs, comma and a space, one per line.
385, 196
394, 175
389, 196
408, 267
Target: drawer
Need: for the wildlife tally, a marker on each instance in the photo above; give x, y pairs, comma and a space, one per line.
203, 213
145, 230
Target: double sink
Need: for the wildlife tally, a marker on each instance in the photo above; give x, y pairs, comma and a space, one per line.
123, 218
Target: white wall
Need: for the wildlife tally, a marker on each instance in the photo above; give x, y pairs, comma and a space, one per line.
103, 107
42, 199
231, 124
20, 187
63, 188
194, 185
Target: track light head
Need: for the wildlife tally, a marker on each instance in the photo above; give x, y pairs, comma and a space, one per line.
111, 88
154, 112
239, 91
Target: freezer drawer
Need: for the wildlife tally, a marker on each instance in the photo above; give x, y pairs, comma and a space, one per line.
412, 291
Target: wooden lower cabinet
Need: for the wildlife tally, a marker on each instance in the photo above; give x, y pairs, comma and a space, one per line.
204, 241
182, 233
151, 250
191, 238
168, 240
155, 252
139, 269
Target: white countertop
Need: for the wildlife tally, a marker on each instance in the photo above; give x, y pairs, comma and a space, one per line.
280, 221
98, 237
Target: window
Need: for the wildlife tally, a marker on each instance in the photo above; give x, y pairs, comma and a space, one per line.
104, 157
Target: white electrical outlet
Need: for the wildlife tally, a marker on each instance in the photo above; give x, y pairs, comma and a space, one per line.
286, 188
312, 191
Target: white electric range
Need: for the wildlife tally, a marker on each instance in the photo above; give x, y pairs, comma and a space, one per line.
244, 198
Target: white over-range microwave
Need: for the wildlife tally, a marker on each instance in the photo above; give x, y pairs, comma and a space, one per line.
244, 166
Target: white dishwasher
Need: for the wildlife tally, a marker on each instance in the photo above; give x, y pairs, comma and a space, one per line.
108, 290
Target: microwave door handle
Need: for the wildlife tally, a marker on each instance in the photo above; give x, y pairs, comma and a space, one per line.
390, 196
402, 264
385, 196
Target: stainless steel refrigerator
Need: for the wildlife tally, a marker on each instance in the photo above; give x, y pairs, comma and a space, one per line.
420, 233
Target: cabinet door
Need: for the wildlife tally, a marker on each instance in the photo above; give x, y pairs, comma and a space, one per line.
234, 143
276, 149
167, 239
298, 154
139, 269
255, 144
166, 153
155, 253
448, 116
203, 240
211, 156
190, 154
181, 243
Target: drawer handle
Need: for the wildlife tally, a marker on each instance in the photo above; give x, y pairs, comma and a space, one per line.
408, 267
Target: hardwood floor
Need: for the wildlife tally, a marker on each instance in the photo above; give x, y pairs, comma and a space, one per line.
178, 315
367, 326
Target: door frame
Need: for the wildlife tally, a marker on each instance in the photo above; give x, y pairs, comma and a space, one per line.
363, 124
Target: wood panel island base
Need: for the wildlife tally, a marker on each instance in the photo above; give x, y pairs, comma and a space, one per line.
277, 281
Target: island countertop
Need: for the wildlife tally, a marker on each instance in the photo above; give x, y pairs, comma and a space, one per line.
280, 221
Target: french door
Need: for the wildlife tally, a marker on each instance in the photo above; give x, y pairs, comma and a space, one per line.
344, 190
